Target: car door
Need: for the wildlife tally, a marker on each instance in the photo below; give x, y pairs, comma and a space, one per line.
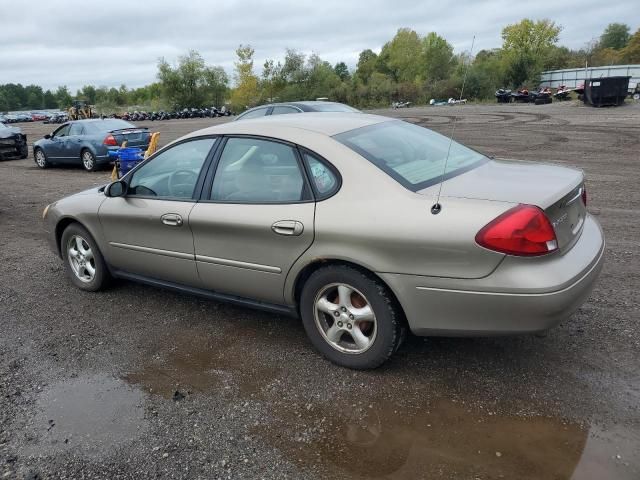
147, 230
54, 149
72, 143
255, 219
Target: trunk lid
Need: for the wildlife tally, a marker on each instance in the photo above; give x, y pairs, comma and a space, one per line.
556, 190
135, 137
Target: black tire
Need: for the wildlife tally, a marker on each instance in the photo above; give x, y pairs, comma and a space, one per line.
88, 160
24, 152
101, 277
389, 319
41, 158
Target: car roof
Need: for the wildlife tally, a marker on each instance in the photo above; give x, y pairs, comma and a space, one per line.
325, 123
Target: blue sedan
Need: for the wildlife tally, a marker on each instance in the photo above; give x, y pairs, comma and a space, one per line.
87, 142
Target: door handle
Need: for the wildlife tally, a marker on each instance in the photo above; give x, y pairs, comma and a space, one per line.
171, 219
288, 227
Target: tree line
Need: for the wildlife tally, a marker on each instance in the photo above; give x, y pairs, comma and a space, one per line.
410, 67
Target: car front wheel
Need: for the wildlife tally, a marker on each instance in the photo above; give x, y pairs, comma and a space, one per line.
82, 259
350, 317
40, 158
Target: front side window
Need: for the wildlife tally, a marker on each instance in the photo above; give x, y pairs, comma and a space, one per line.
412, 155
76, 129
63, 131
252, 170
173, 173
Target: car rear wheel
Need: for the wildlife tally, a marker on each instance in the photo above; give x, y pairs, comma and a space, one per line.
40, 158
83, 261
350, 317
88, 161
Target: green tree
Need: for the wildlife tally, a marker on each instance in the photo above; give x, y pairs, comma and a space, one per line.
50, 100
88, 94
437, 59
402, 55
367, 61
246, 93
615, 36
63, 97
342, 71
631, 53
526, 45
191, 83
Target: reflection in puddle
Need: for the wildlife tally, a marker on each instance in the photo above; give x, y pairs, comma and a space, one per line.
194, 364
89, 413
445, 440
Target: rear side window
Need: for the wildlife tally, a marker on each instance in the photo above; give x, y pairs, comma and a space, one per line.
325, 182
253, 170
258, 112
281, 110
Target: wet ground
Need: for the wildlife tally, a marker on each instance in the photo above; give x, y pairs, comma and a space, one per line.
141, 383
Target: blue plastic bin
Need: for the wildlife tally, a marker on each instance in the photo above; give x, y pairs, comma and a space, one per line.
128, 158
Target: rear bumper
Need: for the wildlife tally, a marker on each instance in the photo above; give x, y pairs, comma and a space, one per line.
520, 296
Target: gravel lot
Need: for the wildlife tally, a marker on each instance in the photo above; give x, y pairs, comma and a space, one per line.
137, 382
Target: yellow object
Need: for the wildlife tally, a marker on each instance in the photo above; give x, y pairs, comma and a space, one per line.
153, 144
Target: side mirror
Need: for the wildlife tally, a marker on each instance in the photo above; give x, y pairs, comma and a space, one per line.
47, 136
116, 189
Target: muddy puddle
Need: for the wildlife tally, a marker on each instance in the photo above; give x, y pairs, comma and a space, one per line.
89, 414
446, 440
191, 363
362, 434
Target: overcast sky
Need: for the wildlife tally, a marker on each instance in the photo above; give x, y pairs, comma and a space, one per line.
78, 42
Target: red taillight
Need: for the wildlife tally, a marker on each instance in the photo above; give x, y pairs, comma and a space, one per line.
110, 140
584, 195
524, 230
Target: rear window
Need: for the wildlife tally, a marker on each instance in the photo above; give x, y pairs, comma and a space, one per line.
412, 155
333, 107
108, 125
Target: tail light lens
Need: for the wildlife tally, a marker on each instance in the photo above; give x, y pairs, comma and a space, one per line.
110, 140
584, 195
524, 231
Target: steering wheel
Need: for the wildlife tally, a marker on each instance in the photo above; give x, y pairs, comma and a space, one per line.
181, 183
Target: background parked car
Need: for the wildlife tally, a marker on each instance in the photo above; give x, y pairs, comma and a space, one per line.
87, 142
13, 143
295, 107
24, 117
39, 116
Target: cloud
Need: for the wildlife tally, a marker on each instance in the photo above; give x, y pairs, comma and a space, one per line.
110, 43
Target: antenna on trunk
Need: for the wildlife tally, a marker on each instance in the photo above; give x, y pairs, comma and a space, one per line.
437, 208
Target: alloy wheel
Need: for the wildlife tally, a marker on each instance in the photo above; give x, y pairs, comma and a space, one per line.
81, 258
88, 160
345, 318
41, 160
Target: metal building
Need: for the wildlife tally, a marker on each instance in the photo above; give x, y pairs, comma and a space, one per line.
574, 77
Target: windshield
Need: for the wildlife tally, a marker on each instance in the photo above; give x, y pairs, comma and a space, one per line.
412, 155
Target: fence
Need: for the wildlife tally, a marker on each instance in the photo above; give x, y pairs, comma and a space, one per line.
574, 77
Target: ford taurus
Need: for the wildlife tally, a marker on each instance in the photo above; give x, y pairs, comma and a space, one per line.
363, 226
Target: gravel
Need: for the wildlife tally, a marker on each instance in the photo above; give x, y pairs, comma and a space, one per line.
136, 382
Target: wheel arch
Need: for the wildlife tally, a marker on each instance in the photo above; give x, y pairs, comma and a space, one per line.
60, 227
316, 264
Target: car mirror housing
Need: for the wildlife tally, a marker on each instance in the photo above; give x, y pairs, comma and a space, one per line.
116, 189
47, 136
